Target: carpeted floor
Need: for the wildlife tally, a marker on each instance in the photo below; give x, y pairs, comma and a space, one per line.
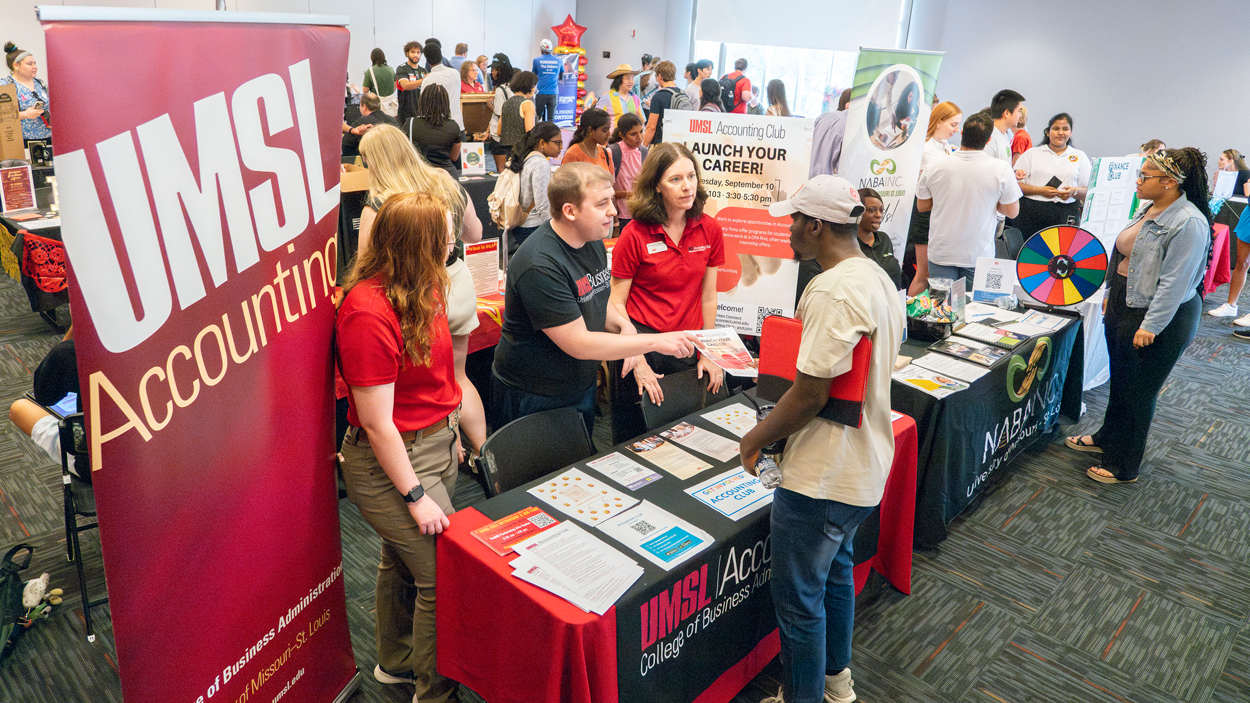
1053, 588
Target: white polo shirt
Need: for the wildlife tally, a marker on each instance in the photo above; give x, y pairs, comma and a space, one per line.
450, 80
1041, 163
999, 146
966, 189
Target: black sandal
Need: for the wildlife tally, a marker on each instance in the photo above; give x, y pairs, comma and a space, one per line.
1078, 444
1106, 479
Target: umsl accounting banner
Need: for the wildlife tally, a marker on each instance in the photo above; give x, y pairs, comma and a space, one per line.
747, 162
199, 214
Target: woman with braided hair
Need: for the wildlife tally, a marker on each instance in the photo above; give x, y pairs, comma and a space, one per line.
1152, 305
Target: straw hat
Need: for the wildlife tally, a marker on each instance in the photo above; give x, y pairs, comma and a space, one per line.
622, 70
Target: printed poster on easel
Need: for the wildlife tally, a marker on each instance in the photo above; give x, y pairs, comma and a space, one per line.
1112, 197
747, 163
886, 123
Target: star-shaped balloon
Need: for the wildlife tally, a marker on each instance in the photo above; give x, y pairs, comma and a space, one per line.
569, 32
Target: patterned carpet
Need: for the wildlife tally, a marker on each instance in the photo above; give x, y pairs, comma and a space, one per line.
1052, 588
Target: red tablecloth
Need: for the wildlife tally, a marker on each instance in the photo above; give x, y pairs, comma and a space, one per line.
512, 642
1219, 271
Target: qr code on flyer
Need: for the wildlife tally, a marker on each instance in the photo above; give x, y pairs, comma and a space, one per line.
643, 527
542, 520
994, 280
762, 312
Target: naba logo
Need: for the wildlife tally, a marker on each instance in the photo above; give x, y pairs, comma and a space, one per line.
1038, 363
880, 167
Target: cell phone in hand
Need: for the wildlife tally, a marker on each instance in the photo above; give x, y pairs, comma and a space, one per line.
1054, 182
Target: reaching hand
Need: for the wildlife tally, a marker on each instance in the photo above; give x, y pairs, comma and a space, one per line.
678, 344
648, 381
715, 374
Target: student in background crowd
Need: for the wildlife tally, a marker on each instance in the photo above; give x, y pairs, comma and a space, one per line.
557, 324
741, 88
530, 160
827, 135
547, 68
875, 244
755, 107
966, 192
501, 73
384, 86
777, 104
32, 94
620, 99
943, 123
399, 455
833, 475
435, 135
517, 117
667, 97
1045, 205
702, 70
462, 55
1005, 109
1150, 147
370, 114
483, 73
1231, 161
664, 275
628, 153
1021, 141
431, 63
469, 78
710, 98
395, 167
590, 140
409, 76
1153, 305
443, 75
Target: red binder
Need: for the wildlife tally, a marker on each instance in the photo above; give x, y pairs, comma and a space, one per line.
779, 353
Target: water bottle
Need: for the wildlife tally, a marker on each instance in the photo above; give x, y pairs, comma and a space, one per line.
766, 465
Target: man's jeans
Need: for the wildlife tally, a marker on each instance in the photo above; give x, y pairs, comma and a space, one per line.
813, 589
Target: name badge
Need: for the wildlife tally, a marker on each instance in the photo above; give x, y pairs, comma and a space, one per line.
656, 247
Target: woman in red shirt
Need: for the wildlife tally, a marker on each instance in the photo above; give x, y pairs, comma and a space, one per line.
400, 453
664, 265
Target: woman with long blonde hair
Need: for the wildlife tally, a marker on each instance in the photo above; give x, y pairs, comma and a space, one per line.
395, 167
399, 455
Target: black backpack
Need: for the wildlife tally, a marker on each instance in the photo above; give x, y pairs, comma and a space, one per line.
729, 93
11, 610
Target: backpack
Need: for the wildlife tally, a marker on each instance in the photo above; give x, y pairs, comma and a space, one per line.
680, 101
505, 200
615, 151
729, 92
390, 104
11, 611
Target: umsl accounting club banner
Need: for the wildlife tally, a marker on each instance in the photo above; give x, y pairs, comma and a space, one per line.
748, 162
886, 124
199, 215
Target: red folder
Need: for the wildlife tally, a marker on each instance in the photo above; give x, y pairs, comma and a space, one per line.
779, 353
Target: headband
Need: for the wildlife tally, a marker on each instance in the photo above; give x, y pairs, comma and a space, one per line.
21, 55
1168, 165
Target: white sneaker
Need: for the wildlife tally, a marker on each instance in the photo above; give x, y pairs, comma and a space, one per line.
775, 699
1224, 310
838, 688
1243, 321
389, 678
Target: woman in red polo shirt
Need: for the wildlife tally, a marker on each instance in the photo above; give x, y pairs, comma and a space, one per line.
664, 265
400, 453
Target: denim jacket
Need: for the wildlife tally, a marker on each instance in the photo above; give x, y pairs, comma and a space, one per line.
1167, 263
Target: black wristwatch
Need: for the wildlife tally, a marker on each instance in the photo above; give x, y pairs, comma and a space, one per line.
415, 494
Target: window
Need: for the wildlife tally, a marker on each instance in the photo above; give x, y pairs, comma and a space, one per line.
814, 78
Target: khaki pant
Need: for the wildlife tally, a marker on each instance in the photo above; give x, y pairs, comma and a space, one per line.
405, 587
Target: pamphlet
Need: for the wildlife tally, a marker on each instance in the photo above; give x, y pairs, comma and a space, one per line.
735, 417
948, 366
501, 534
704, 442
575, 565
935, 384
624, 470
581, 496
667, 456
990, 314
1043, 320
998, 336
17, 188
975, 352
734, 494
661, 537
725, 349
483, 262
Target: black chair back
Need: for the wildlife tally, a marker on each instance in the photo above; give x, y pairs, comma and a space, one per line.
684, 393
531, 447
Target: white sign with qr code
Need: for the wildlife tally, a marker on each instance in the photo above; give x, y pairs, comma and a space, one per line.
994, 279
663, 538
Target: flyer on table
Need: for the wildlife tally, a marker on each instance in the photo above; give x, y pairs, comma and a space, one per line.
733, 494
748, 162
584, 497
667, 456
658, 535
724, 348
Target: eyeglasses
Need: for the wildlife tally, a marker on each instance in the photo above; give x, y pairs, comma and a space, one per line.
1141, 177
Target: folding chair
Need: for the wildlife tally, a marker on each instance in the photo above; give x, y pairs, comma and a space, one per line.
79, 502
684, 393
532, 447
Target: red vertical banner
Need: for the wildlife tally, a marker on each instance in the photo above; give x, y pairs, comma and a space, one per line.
199, 205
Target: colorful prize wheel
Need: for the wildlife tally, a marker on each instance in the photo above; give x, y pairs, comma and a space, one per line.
1061, 265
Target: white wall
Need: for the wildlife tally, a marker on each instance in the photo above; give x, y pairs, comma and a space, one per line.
1127, 72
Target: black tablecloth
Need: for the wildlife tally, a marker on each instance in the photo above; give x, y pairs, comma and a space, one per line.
968, 438
1230, 214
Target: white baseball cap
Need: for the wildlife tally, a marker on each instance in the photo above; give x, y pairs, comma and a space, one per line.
828, 198
545, 45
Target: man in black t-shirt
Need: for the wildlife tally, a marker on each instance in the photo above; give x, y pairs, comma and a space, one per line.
370, 114
557, 324
409, 76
